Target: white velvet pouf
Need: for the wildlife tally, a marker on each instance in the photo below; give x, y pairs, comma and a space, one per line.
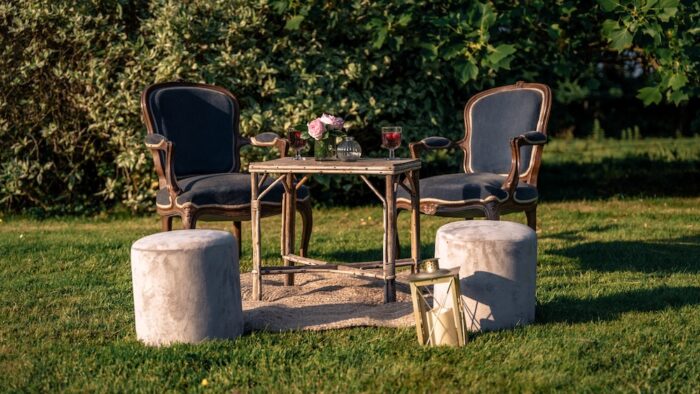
186, 287
497, 263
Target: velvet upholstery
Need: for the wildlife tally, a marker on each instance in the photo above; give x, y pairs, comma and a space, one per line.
201, 123
535, 138
222, 190
495, 120
436, 142
454, 188
526, 193
154, 139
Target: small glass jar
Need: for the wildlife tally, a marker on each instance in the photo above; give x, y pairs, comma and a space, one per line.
349, 150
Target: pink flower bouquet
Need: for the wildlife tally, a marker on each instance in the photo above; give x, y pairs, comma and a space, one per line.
324, 127
325, 132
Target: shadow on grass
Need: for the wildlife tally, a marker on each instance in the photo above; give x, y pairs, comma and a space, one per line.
671, 255
664, 173
637, 175
374, 254
578, 235
354, 255
370, 284
610, 307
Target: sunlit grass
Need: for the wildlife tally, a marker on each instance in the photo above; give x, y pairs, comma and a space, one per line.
618, 309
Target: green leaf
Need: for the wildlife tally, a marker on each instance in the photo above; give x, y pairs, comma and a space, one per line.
668, 3
649, 95
677, 81
669, 9
608, 5
649, 5
294, 22
667, 14
653, 31
631, 25
381, 37
609, 26
451, 51
619, 37
404, 20
431, 50
678, 97
279, 6
488, 16
501, 52
467, 71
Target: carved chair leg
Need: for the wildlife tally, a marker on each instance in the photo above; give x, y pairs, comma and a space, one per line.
397, 249
531, 215
189, 221
166, 223
237, 234
307, 223
492, 212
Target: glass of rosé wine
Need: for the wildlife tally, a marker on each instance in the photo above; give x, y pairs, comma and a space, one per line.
391, 139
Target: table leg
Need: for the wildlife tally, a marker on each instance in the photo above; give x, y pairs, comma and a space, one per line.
255, 225
283, 214
390, 241
415, 219
290, 203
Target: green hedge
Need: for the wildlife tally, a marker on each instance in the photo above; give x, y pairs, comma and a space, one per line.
71, 74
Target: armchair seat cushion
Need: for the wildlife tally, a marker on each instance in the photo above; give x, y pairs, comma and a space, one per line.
454, 189
222, 190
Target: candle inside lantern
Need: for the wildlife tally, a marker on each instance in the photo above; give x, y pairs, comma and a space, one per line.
442, 326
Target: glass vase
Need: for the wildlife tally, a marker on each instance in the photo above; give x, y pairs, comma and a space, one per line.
325, 149
349, 150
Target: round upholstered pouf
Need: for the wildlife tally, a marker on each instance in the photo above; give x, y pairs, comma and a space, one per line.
497, 268
186, 287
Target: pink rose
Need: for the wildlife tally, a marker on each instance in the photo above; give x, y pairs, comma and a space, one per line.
316, 129
334, 122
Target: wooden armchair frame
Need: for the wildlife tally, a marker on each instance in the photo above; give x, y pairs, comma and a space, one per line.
163, 152
492, 208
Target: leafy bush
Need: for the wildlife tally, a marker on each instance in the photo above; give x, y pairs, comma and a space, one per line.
72, 73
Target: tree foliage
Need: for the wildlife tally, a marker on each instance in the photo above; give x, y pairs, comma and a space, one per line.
72, 73
665, 36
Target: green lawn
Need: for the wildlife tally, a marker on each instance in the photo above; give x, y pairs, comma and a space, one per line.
618, 309
588, 169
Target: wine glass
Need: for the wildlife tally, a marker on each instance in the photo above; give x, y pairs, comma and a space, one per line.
391, 139
296, 142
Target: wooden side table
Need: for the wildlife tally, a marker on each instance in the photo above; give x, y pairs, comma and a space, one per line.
287, 168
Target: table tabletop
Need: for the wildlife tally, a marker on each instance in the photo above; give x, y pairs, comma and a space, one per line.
309, 165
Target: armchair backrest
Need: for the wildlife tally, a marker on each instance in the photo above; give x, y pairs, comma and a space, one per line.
201, 121
495, 116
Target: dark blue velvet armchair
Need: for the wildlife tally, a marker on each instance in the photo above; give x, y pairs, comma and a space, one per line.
194, 138
505, 129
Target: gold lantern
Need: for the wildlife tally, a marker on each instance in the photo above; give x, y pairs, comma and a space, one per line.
439, 322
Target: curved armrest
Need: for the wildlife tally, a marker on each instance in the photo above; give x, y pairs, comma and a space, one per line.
429, 143
525, 139
268, 140
157, 143
532, 138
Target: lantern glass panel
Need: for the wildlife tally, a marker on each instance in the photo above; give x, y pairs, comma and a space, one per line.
438, 321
